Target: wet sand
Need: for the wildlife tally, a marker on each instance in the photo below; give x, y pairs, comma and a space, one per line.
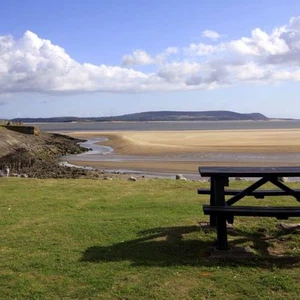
181, 151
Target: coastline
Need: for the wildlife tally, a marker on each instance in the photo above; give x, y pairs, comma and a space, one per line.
184, 151
195, 141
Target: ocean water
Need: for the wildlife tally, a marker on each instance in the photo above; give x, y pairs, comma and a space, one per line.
145, 126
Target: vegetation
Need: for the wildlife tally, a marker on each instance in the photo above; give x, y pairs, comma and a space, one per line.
96, 239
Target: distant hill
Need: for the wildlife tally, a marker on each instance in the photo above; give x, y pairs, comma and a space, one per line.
188, 116
221, 115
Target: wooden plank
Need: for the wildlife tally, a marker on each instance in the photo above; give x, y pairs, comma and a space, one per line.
250, 171
259, 211
257, 193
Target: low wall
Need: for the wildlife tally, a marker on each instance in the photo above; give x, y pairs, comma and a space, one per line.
23, 129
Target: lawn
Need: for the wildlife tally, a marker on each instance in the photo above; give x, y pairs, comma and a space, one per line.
97, 239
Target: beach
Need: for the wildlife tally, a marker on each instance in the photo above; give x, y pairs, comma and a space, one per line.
185, 150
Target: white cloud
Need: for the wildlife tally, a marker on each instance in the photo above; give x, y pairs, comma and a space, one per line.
162, 57
260, 43
201, 49
33, 64
141, 57
248, 72
283, 75
138, 57
171, 50
210, 34
177, 72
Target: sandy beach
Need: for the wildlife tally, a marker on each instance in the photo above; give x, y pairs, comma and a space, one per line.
180, 151
164, 142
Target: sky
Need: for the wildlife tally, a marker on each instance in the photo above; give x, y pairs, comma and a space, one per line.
98, 58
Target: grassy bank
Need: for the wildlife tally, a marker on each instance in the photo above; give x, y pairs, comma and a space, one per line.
96, 239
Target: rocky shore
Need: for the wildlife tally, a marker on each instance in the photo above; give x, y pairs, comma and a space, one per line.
37, 156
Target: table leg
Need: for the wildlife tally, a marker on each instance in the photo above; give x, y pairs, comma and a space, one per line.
212, 218
219, 198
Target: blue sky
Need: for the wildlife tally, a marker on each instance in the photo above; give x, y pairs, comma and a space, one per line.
101, 58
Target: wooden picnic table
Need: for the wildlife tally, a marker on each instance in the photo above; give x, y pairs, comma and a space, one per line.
222, 211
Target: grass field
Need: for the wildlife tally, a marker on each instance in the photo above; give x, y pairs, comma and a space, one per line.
96, 239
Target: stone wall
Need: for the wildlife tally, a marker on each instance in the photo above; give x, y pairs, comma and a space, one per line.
24, 129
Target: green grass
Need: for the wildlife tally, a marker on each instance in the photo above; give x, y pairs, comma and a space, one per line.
96, 239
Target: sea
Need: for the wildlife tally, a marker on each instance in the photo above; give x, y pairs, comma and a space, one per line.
182, 125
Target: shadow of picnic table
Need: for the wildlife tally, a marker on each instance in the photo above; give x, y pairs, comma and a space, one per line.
169, 246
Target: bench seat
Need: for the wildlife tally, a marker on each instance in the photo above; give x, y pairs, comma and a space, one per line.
281, 212
259, 194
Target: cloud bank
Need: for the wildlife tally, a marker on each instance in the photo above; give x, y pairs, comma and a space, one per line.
32, 64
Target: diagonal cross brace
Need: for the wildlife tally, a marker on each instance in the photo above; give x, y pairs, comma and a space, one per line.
285, 188
247, 191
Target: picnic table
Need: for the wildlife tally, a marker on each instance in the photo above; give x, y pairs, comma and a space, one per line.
222, 211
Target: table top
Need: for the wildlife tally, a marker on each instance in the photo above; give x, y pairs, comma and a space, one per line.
249, 171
